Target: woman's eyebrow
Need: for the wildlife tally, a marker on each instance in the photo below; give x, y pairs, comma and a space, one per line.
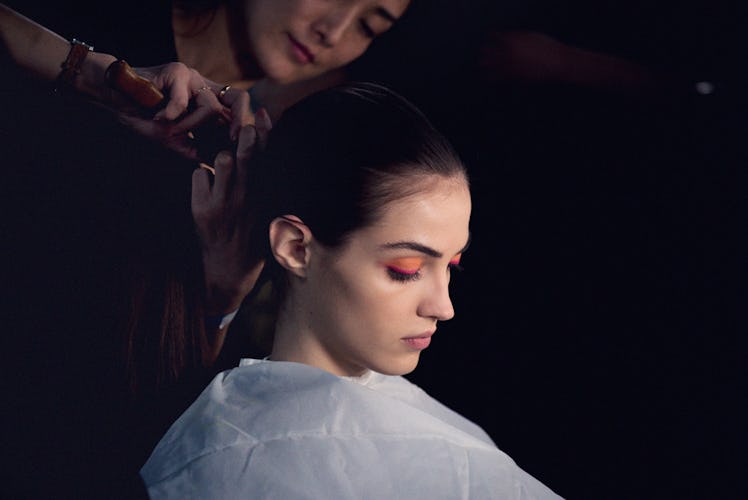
382, 12
412, 245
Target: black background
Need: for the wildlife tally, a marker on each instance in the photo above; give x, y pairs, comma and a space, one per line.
600, 327
601, 316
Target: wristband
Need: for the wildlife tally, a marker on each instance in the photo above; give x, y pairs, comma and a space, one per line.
219, 322
71, 67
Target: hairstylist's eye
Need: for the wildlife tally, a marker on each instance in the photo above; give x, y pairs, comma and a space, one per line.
366, 29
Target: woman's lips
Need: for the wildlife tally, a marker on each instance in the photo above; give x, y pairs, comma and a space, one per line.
419, 342
300, 52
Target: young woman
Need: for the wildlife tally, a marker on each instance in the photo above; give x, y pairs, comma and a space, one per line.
365, 208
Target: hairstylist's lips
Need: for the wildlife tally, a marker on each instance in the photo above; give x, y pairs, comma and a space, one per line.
300, 51
419, 342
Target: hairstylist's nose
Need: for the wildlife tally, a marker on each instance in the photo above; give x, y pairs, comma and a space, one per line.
331, 27
436, 302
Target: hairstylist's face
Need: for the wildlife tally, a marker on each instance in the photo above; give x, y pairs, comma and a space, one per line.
376, 302
295, 40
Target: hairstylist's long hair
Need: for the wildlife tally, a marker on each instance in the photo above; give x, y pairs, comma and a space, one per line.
164, 334
162, 302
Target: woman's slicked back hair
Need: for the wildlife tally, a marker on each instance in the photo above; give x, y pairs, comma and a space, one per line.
336, 158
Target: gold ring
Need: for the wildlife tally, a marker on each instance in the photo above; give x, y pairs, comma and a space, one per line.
223, 91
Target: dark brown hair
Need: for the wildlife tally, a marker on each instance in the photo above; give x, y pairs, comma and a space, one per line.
336, 158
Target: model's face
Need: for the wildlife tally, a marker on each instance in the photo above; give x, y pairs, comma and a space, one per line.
375, 303
295, 40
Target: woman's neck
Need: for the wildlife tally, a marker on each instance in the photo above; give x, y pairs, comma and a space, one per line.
294, 340
291, 342
203, 42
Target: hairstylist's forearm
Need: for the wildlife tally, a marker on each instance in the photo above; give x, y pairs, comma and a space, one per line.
32, 46
41, 52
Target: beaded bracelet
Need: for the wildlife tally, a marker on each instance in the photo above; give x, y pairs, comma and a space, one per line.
71, 67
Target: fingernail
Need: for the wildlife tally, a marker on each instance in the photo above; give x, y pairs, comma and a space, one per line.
266, 117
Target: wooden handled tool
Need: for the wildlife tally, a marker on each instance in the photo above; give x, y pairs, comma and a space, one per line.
121, 77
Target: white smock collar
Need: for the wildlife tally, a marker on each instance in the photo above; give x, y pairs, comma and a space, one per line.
364, 379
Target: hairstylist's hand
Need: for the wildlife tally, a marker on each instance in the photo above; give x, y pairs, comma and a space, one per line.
224, 221
194, 105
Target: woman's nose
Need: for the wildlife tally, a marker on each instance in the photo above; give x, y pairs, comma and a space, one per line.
436, 302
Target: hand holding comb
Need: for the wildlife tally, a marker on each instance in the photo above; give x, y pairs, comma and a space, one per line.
122, 77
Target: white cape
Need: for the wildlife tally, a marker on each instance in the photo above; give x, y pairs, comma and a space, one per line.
280, 430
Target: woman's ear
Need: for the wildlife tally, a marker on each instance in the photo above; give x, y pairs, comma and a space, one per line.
289, 242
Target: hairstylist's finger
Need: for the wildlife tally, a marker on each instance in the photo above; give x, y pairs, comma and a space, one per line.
224, 165
161, 133
200, 193
244, 148
241, 114
245, 144
263, 125
184, 147
176, 79
175, 107
204, 96
140, 125
201, 116
179, 99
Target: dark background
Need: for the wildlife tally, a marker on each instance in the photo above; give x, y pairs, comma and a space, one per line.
601, 316
600, 327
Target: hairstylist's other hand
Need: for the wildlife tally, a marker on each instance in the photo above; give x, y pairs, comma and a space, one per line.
193, 106
224, 222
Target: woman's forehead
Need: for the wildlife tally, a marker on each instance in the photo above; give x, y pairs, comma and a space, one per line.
426, 189
437, 215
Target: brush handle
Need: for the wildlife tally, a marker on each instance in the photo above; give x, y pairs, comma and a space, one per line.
121, 77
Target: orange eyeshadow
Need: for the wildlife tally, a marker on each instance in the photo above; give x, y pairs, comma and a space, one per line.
456, 259
406, 265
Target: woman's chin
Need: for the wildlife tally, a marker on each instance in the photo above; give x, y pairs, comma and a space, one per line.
401, 367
